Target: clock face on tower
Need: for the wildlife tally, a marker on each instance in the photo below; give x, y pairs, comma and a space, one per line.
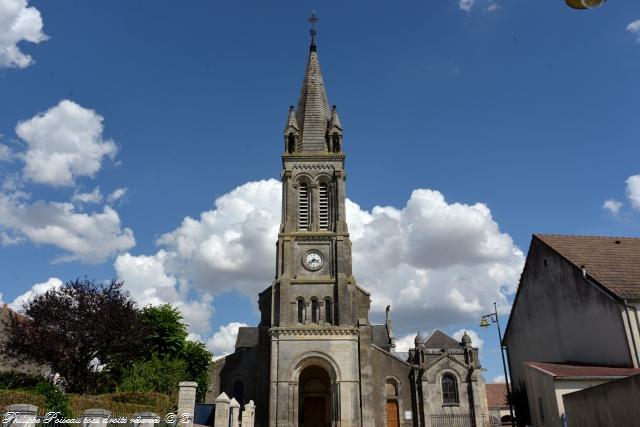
312, 260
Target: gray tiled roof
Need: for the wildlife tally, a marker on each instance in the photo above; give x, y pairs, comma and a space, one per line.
247, 337
439, 339
312, 113
380, 337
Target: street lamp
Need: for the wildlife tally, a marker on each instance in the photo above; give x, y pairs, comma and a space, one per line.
584, 4
484, 323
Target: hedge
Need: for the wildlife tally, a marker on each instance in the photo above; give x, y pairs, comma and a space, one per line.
12, 397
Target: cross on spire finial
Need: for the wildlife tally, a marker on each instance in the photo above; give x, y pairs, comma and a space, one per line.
313, 19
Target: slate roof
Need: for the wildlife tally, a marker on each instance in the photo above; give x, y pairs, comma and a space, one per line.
247, 337
439, 339
312, 113
571, 370
614, 262
496, 396
380, 337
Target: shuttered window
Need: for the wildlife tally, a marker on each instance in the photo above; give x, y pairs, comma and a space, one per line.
303, 206
323, 207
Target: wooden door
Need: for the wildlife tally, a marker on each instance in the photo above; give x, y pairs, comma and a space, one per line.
393, 418
314, 412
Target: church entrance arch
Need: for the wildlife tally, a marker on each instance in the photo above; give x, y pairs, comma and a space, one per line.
318, 391
315, 397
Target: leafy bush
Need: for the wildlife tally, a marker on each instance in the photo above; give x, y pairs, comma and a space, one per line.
122, 404
160, 402
19, 380
12, 397
160, 375
55, 399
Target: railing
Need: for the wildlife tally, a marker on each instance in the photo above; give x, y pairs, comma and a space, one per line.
463, 420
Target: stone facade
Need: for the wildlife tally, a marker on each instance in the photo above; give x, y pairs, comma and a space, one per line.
315, 359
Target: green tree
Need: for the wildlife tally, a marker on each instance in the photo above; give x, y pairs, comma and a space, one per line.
167, 332
198, 359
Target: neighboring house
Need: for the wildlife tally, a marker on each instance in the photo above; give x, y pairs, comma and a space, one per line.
10, 364
577, 304
616, 403
315, 358
548, 382
497, 402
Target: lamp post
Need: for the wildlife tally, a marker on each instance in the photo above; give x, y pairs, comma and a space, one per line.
484, 323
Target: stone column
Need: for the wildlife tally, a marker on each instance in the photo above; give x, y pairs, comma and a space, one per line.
25, 415
234, 407
95, 417
248, 415
222, 411
186, 403
143, 419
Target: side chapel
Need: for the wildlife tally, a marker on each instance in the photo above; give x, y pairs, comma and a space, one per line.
315, 359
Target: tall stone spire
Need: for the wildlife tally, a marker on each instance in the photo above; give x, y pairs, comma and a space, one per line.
312, 113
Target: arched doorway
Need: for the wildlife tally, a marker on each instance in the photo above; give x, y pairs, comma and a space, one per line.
315, 397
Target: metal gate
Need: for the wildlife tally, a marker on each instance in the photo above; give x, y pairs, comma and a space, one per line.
204, 414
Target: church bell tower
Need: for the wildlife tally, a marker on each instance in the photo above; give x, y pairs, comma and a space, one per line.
314, 310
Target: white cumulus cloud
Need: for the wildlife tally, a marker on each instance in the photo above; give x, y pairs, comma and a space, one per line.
633, 190
223, 341
37, 289
5, 153
64, 143
437, 263
466, 5
88, 237
116, 195
612, 206
92, 197
500, 379
18, 22
634, 28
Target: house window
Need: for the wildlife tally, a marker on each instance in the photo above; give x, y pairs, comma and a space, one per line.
315, 311
449, 390
328, 311
303, 206
301, 313
323, 207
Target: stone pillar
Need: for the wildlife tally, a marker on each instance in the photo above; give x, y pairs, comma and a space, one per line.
222, 411
186, 403
234, 408
22, 415
143, 419
95, 417
248, 415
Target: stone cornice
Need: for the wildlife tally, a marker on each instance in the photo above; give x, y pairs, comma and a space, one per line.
311, 330
307, 157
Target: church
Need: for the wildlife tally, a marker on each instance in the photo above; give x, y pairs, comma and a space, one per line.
315, 359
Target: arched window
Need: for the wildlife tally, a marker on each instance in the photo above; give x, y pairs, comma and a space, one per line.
301, 312
328, 311
449, 390
323, 206
238, 392
336, 143
315, 311
303, 206
391, 388
291, 143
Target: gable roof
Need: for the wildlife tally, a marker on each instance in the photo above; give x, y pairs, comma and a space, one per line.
439, 339
614, 262
569, 370
247, 337
497, 396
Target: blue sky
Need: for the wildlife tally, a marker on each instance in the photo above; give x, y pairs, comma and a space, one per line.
528, 108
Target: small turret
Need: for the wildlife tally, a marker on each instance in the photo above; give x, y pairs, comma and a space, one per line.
334, 132
291, 132
466, 340
419, 340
